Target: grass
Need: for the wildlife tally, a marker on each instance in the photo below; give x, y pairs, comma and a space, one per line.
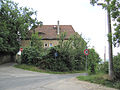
100, 79
36, 69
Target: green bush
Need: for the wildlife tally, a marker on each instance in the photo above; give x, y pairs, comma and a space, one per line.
59, 62
117, 84
57, 65
101, 78
30, 55
79, 60
69, 57
93, 59
104, 67
65, 60
116, 62
34, 54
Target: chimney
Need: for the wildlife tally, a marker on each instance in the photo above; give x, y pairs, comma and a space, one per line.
58, 28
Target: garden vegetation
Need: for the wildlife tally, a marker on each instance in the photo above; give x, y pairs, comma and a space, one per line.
67, 56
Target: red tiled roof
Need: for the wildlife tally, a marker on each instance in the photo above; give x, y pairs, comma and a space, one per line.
50, 31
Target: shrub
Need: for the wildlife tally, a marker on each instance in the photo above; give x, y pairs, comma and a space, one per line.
69, 57
36, 41
93, 59
116, 62
56, 63
79, 60
117, 84
104, 67
30, 55
33, 55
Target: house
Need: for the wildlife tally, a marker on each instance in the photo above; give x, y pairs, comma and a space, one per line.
50, 34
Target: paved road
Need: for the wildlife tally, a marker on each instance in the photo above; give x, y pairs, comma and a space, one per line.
17, 79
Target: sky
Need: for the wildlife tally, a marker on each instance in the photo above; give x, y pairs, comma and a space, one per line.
88, 20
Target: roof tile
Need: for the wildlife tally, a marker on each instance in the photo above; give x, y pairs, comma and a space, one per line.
50, 31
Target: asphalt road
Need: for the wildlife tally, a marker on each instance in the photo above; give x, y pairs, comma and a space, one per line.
17, 79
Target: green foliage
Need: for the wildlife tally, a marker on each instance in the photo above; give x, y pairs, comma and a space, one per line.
104, 67
93, 2
93, 60
69, 57
79, 45
116, 84
64, 60
30, 56
36, 41
57, 65
14, 23
78, 42
36, 69
92, 78
34, 55
116, 62
102, 79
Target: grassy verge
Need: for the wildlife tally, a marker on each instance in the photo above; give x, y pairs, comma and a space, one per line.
33, 68
101, 79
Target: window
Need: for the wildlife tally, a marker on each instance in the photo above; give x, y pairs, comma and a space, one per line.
50, 45
45, 45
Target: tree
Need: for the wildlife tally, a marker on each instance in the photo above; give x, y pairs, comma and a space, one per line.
14, 24
36, 41
93, 60
73, 50
115, 9
79, 45
112, 7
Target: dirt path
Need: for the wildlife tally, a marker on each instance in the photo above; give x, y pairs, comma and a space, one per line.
75, 84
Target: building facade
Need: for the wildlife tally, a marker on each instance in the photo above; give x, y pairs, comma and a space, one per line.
50, 34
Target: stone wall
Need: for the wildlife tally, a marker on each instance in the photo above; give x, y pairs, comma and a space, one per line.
6, 59
25, 43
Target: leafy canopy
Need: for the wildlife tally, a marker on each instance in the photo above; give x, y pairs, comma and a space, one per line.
14, 24
36, 41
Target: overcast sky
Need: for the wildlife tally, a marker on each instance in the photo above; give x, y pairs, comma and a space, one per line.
86, 19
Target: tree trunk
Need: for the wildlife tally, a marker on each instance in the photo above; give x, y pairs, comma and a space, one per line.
111, 71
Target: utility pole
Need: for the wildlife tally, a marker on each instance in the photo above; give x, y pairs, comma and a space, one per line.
111, 72
105, 54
